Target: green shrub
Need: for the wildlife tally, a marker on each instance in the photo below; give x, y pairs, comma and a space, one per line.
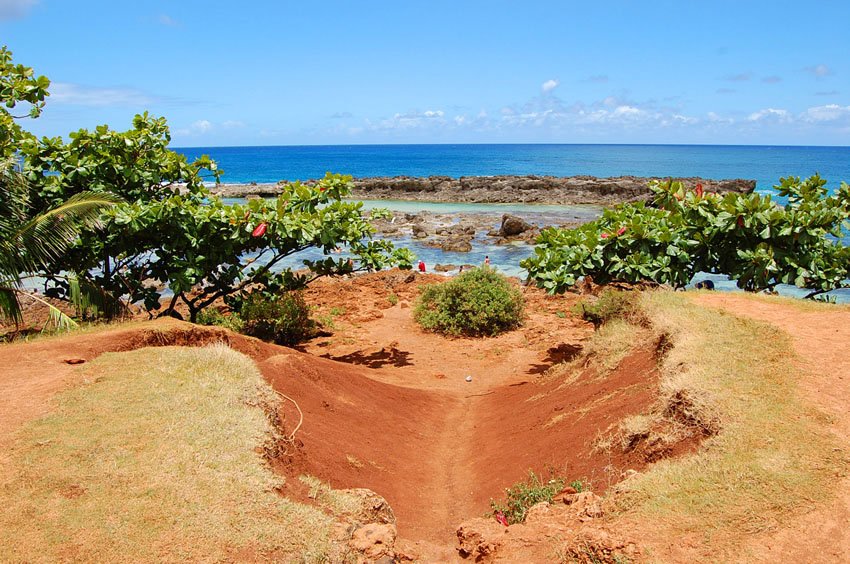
758, 243
283, 319
609, 305
212, 316
523, 495
476, 303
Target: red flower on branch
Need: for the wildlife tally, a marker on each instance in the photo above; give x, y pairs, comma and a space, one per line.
621, 230
604, 235
260, 230
698, 190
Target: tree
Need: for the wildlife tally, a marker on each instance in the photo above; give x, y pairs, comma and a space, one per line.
204, 249
29, 244
18, 86
746, 236
171, 236
31, 236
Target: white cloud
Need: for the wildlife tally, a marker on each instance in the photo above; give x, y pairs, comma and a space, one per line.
818, 71
549, 85
77, 94
198, 127
202, 126
772, 114
15, 9
232, 124
686, 120
410, 120
714, 117
828, 113
628, 111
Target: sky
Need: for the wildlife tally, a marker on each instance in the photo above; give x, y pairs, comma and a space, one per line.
375, 71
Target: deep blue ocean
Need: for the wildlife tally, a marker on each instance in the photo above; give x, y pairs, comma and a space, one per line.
766, 165
763, 164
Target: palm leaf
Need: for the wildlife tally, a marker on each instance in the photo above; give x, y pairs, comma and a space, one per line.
10, 308
44, 238
90, 299
28, 244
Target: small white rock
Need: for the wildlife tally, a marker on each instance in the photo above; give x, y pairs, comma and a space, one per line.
469, 378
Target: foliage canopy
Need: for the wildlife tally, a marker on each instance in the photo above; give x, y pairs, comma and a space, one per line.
170, 232
746, 236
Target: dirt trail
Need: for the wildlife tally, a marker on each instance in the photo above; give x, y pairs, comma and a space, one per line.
387, 407
820, 338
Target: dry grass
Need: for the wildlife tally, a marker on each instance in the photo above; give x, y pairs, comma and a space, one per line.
612, 342
155, 458
338, 502
771, 455
603, 352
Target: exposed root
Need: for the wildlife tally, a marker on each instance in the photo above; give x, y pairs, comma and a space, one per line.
291, 437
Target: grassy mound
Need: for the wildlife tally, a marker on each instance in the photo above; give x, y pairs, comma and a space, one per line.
479, 302
159, 462
766, 454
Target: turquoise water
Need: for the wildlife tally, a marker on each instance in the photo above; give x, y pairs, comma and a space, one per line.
764, 164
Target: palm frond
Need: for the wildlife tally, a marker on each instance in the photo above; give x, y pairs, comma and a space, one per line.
55, 318
10, 307
58, 320
47, 236
92, 300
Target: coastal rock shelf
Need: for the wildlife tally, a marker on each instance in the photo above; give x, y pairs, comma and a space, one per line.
567, 190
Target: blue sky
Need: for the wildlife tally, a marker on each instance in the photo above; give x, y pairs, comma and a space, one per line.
346, 72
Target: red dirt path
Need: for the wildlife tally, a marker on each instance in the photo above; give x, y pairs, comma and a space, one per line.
393, 412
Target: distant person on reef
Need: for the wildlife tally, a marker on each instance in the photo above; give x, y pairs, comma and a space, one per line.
705, 285
421, 266
486, 260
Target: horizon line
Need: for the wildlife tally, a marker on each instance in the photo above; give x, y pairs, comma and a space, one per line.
504, 144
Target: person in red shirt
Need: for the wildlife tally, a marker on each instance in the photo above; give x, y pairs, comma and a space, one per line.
421, 266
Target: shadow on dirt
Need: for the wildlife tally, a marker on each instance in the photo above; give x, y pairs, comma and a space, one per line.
385, 357
563, 352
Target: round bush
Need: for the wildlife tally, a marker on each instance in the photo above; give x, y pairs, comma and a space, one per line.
284, 319
478, 302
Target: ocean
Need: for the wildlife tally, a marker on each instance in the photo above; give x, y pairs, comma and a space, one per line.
764, 164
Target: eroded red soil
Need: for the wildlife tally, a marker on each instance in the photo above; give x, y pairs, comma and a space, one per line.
387, 406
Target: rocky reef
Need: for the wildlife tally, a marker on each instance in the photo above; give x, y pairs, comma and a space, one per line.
569, 190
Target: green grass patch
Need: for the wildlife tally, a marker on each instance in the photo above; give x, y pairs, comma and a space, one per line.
523, 495
155, 459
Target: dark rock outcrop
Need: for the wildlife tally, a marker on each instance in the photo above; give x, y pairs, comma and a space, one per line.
513, 226
566, 190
